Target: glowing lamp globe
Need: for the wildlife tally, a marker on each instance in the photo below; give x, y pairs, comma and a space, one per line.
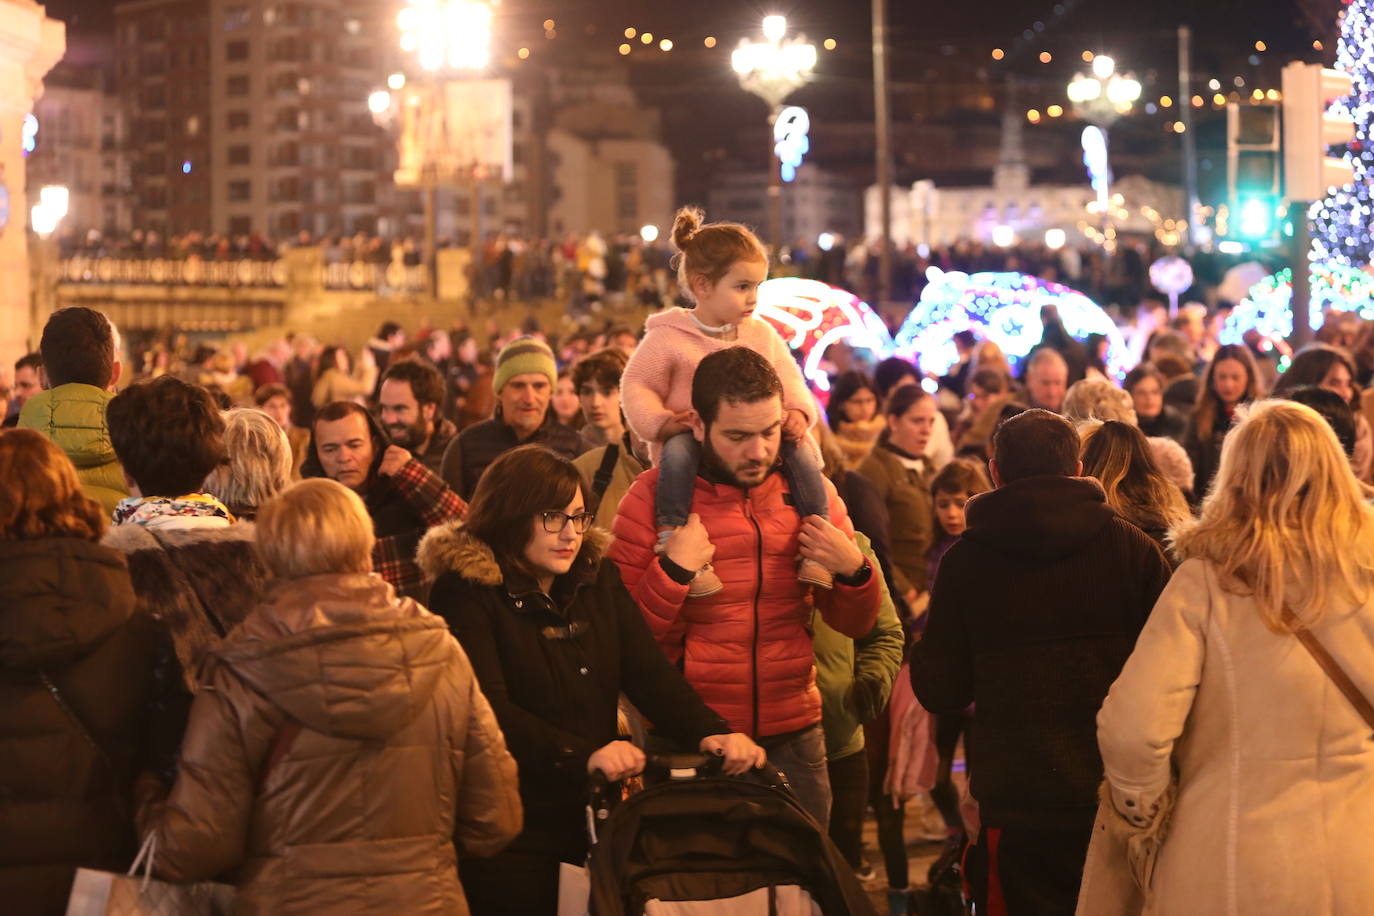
1171, 275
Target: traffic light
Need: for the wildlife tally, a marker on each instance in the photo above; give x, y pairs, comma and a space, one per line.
1309, 130
1254, 155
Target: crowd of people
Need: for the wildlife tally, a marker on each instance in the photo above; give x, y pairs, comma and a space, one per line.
584, 270
353, 633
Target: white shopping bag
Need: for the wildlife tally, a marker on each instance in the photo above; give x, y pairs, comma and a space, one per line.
103, 893
784, 900
574, 890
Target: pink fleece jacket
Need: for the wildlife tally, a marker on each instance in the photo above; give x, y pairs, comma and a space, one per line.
657, 383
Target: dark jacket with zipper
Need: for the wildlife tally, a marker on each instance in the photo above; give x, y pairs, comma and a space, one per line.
68, 760
472, 451
553, 668
1034, 612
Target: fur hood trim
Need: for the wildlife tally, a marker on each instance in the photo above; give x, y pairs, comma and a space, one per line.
131, 538
451, 548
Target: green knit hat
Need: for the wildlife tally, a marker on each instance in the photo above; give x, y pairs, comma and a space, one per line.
523, 356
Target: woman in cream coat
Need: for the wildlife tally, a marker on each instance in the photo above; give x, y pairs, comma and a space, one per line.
1275, 768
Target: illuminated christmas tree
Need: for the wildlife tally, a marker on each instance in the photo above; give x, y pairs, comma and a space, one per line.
1341, 233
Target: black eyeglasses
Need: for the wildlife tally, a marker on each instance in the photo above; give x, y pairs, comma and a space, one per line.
555, 521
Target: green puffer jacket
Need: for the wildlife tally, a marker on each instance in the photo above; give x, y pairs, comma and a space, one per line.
840, 661
73, 416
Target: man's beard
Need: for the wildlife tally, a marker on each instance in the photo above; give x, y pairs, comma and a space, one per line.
408, 437
717, 470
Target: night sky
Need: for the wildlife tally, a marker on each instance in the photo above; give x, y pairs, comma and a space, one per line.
925, 37
999, 21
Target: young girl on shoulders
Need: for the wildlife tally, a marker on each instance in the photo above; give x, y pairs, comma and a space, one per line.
720, 267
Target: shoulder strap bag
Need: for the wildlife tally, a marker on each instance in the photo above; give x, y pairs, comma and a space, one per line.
1332, 667
602, 479
74, 719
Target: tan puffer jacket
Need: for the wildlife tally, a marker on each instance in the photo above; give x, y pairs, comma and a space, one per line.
399, 757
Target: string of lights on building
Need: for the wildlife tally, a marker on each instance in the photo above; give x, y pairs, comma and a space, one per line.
1266, 309
1342, 232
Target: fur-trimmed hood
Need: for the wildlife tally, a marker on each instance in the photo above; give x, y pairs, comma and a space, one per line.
452, 548
201, 582
131, 538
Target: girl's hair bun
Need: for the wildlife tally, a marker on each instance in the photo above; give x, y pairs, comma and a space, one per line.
687, 221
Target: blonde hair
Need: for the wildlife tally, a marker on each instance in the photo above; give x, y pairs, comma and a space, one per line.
259, 460
1285, 509
709, 250
316, 526
1098, 399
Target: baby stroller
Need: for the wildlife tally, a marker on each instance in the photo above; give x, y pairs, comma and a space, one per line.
704, 844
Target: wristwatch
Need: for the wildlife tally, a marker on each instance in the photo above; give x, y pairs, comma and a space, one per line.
858, 578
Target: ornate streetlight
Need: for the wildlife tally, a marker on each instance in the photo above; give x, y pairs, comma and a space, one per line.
1100, 98
1104, 95
773, 69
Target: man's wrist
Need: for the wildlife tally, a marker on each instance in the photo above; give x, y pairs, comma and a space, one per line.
679, 574
859, 577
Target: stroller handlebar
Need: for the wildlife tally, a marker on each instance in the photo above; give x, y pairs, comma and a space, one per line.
673, 766
677, 767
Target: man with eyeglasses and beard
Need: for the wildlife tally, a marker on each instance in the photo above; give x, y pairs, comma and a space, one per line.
410, 408
747, 649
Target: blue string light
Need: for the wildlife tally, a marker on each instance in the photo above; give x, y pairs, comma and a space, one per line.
1335, 288
1003, 308
1342, 222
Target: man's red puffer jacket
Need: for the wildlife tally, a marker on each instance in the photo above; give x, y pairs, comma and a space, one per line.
747, 649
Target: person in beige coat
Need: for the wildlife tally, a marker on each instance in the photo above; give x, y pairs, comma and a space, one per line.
1239, 779
340, 746
339, 380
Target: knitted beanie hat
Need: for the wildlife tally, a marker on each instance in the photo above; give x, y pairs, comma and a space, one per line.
522, 356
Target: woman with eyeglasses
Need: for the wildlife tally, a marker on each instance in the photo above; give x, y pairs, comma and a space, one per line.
555, 638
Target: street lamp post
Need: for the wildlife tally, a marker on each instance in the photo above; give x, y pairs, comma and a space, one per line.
773, 69
44, 218
445, 37
1100, 98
